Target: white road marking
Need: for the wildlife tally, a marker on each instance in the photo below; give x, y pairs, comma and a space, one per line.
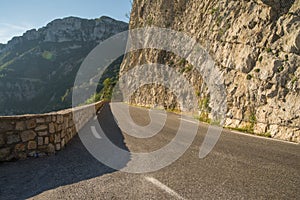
96, 117
164, 114
164, 187
95, 133
261, 137
194, 122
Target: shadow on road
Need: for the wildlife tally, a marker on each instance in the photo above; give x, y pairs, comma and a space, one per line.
24, 179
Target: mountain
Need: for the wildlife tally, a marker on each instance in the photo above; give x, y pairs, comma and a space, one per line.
254, 43
38, 69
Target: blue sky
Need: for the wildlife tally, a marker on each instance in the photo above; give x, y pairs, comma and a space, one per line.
17, 16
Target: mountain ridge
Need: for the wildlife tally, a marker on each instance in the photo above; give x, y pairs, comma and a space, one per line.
38, 69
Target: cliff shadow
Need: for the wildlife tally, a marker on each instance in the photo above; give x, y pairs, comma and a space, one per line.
28, 178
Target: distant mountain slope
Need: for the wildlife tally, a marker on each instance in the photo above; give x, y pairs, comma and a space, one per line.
37, 70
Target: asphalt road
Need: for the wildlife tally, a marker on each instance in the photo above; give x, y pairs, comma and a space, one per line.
238, 167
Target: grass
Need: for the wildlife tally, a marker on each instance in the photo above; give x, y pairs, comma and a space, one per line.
245, 130
268, 135
204, 104
198, 93
219, 21
203, 117
294, 79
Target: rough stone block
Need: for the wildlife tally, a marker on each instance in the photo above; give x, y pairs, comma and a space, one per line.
57, 147
6, 126
43, 133
40, 141
43, 148
51, 128
27, 135
13, 138
51, 149
59, 128
20, 126
2, 139
21, 155
51, 138
32, 145
20, 147
41, 128
30, 124
66, 122
48, 119
71, 123
60, 119
63, 133
57, 138
40, 120
53, 118
63, 143
46, 140
4, 153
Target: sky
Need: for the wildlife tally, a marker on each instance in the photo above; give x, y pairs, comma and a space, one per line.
18, 16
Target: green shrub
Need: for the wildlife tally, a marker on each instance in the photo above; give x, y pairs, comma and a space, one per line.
204, 118
149, 21
204, 104
249, 77
280, 68
214, 10
182, 61
188, 68
286, 57
268, 135
294, 79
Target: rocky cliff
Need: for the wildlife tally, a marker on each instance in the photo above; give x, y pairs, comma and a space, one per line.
255, 43
38, 69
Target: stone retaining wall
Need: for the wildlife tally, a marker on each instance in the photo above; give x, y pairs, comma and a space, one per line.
42, 134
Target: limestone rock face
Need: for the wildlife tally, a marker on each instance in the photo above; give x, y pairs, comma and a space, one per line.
256, 44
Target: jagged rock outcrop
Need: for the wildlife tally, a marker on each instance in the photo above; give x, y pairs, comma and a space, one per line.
38, 69
71, 29
256, 43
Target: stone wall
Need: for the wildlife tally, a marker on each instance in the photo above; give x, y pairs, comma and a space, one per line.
43, 134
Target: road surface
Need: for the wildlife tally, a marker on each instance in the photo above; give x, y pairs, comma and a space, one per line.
239, 167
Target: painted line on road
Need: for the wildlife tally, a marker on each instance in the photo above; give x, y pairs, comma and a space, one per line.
189, 121
95, 133
260, 137
164, 114
164, 187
